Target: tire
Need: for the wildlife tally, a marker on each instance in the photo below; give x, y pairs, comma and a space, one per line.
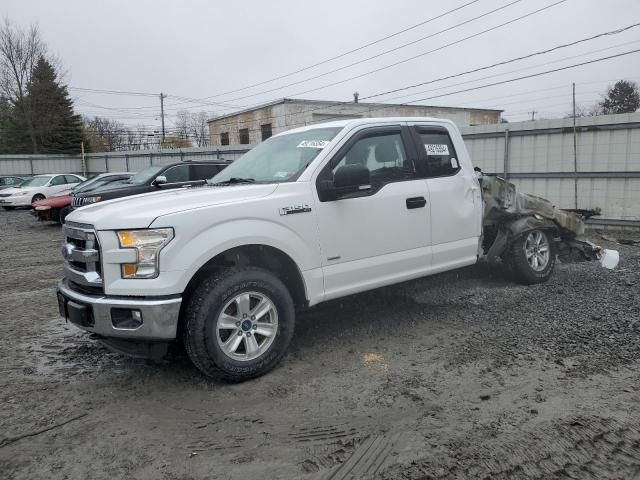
529, 262
218, 303
62, 215
9, 208
37, 197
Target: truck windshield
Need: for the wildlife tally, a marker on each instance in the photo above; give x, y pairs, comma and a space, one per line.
279, 159
145, 175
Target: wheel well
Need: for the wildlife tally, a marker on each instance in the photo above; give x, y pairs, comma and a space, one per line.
37, 195
262, 256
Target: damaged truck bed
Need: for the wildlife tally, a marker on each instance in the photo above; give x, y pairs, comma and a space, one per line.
508, 214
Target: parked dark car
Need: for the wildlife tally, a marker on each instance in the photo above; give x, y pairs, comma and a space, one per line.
7, 181
153, 178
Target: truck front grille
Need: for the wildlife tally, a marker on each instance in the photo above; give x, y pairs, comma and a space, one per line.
77, 201
81, 253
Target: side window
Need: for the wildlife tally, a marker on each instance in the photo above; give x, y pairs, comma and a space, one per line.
203, 172
385, 157
179, 173
59, 180
71, 179
439, 153
244, 136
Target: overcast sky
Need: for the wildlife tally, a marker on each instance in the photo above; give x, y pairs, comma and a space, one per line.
200, 49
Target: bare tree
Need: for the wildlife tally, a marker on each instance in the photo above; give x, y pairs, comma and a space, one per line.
199, 128
20, 50
181, 124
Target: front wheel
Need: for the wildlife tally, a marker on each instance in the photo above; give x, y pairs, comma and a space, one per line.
37, 197
239, 323
533, 257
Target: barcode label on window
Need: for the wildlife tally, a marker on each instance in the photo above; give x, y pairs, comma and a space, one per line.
436, 149
313, 144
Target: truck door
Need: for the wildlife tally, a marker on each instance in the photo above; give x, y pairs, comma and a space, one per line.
456, 203
381, 235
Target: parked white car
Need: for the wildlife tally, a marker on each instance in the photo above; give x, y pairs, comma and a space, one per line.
37, 188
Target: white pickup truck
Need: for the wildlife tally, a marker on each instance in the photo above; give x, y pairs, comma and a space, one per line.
309, 215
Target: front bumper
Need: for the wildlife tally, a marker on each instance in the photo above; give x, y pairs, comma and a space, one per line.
20, 201
93, 313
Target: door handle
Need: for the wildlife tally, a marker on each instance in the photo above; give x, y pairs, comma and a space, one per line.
416, 202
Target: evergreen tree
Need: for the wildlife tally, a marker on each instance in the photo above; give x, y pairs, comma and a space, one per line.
623, 97
57, 128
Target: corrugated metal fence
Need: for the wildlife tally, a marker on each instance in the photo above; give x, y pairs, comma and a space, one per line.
132, 161
537, 156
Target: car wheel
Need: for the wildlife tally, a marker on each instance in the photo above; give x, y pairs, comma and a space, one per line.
62, 215
37, 197
533, 257
238, 324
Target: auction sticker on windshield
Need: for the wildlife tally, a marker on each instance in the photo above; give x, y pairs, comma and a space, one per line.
436, 149
313, 144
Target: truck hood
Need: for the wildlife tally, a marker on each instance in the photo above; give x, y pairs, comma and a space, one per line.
140, 211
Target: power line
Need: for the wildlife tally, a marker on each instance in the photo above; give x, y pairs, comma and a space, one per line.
411, 86
385, 67
344, 54
421, 39
516, 59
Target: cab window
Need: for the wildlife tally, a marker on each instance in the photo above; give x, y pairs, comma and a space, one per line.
383, 154
437, 153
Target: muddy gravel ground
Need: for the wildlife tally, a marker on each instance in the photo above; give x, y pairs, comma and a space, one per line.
462, 375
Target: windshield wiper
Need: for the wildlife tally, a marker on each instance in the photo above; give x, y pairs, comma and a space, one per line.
234, 180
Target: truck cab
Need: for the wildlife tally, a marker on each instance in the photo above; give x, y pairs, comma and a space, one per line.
309, 215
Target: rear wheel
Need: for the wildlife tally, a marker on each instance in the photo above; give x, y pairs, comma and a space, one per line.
239, 323
533, 257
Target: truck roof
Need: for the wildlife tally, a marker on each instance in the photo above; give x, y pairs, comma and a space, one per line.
365, 121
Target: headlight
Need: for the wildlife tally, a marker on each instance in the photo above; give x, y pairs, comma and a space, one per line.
88, 200
148, 244
19, 194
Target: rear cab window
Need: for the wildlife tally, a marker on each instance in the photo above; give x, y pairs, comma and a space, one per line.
438, 157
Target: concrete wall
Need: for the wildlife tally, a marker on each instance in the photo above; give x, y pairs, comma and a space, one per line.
292, 114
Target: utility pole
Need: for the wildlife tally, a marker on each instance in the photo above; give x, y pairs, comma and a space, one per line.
162, 113
533, 115
82, 159
575, 149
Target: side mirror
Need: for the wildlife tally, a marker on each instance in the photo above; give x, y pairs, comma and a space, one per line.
160, 180
347, 179
352, 178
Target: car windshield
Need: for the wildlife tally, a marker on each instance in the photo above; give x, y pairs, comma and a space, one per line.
280, 159
145, 175
36, 181
94, 183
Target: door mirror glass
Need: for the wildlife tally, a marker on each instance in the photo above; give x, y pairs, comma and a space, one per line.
351, 178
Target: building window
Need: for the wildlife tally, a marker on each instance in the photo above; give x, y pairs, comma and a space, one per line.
244, 136
266, 131
224, 138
